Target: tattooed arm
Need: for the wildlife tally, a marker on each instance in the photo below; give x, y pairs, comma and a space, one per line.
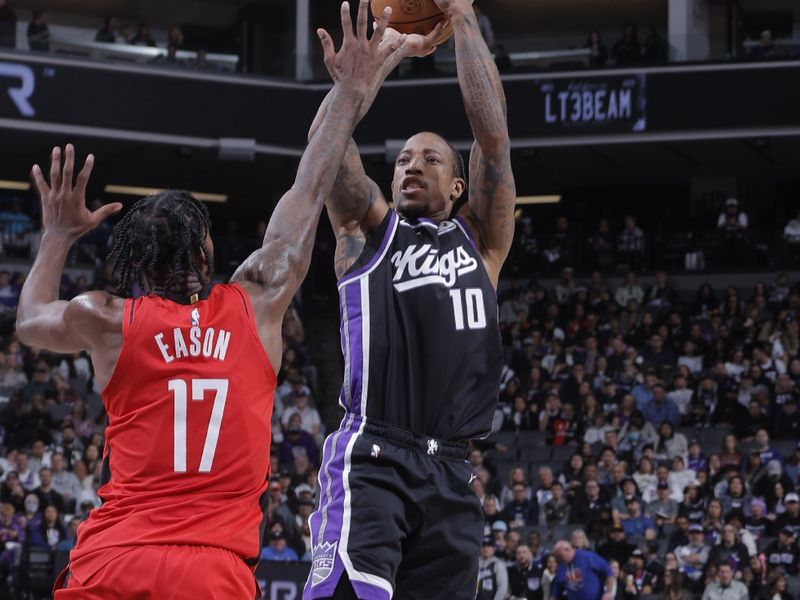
357, 204
272, 274
492, 194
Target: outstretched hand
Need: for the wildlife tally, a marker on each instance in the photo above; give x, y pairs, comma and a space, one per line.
359, 60
64, 209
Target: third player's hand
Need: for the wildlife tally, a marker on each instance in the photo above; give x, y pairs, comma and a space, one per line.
415, 45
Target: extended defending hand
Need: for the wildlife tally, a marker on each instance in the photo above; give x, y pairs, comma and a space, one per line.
359, 60
64, 209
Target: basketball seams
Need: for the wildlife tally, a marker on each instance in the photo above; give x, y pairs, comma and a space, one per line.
438, 16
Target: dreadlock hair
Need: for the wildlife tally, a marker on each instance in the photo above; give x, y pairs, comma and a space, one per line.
156, 243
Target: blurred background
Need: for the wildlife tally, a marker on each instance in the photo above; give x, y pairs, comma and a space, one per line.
655, 145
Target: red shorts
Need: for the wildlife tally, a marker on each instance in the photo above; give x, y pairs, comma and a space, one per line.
163, 572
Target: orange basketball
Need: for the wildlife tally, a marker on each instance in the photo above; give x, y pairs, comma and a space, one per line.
413, 16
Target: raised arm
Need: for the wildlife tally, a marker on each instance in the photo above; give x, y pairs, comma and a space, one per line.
357, 204
273, 274
492, 195
44, 321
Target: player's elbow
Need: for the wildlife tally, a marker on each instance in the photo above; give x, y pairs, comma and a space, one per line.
494, 142
24, 329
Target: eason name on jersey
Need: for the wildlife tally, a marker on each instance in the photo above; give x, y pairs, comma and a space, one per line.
424, 266
206, 342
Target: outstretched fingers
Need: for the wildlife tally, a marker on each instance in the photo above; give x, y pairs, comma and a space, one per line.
380, 27
83, 176
55, 168
39, 182
328, 51
69, 166
347, 23
362, 20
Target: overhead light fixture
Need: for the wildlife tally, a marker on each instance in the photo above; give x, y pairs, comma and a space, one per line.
548, 199
7, 184
130, 190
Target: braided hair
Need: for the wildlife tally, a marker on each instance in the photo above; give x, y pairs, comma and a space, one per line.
156, 243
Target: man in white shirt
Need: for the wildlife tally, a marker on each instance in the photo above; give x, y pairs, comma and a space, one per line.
726, 587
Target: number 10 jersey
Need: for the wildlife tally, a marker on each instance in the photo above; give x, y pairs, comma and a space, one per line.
419, 330
186, 460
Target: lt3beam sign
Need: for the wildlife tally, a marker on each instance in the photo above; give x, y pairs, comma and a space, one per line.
616, 103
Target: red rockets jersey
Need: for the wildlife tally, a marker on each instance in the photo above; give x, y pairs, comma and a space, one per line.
189, 406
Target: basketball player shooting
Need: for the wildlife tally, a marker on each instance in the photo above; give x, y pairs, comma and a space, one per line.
187, 371
421, 342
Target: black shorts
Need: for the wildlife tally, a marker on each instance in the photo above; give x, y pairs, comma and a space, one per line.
397, 515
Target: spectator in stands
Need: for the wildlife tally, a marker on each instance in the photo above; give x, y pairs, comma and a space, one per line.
783, 555
638, 527
692, 557
725, 587
595, 574
278, 550
557, 507
663, 510
628, 291
175, 38
297, 441
521, 511
48, 532
549, 574
616, 546
107, 34
524, 577
729, 550
143, 36
790, 518
47, 495
560, 249
661, 409
733, 225
309, 416
627, 49
38, 32
654, 48
630, 247
8, 25
586, 507
65, 482
791, 233
492, 573
598, 53
565, 288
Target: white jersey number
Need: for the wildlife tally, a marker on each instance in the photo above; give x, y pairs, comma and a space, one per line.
199, 387
474, 309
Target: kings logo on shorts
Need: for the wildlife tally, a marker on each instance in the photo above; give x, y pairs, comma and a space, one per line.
324, 557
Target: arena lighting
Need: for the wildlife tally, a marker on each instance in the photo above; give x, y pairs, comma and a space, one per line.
129, 190
551, 199
6, 184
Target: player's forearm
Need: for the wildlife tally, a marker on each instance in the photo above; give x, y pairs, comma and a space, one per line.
44, 280
484, 98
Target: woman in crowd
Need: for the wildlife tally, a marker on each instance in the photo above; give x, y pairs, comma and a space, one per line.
670, 443
730, 454
550, 568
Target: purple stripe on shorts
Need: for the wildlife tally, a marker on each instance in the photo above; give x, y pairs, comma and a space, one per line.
367, 591
333, 509
349, 276
353, 307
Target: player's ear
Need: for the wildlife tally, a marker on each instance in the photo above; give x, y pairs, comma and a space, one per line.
459, 185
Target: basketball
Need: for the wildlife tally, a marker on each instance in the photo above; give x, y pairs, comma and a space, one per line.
413, 16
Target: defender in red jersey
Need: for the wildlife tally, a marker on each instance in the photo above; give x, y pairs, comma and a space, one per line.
188, 370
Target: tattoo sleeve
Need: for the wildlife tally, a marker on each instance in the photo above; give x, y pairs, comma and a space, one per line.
492, 195
282, 262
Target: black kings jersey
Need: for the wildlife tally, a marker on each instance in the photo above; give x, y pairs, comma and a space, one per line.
419, 330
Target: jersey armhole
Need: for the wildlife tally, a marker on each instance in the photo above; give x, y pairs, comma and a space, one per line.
251, 324
377, 242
